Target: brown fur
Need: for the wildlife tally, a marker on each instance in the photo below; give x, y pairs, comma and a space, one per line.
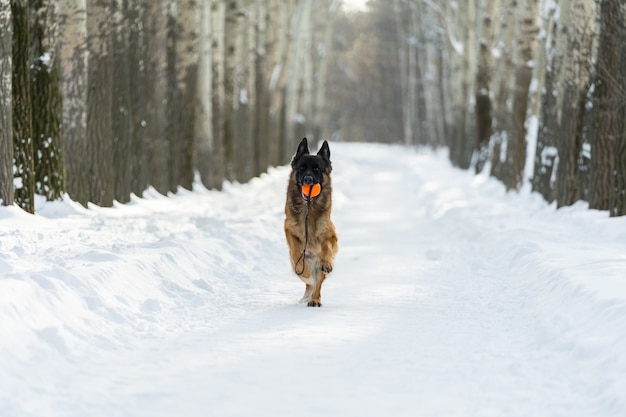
322, 239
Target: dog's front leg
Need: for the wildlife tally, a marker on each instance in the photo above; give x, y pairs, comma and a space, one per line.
327, 255
299, 264
317, 290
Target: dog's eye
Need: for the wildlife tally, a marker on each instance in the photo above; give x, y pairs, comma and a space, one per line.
301, 169
316, 169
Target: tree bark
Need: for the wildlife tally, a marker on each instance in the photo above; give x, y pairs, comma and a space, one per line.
405, 74
298, 59
46, 101
121, 116
243, 95
617, 198
23, 151
183, 67
503, 87
605, 101
320, 119
139, 170
546, 156
99, 103
483, 84
227, 111
217, 163
154, 24
203, 103
6, 103
73, 56
578, 22
527, 36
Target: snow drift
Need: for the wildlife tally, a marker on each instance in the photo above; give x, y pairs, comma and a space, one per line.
449, 297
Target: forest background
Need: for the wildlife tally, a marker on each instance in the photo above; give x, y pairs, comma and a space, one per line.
100, 99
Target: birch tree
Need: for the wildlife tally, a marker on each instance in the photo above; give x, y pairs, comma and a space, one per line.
503, 86
23, 151
46, 101
186, 24
6, 103
297, 75
320, 121
605, 101
137, 113
121, 116
261, 87
406, 61
460, 26
99, 103
617, 201
483, 82
73, 58
217, 162
244, 94
278, 42
578, 20
525, 52
227, 115
546, 155
155, 90
203, 138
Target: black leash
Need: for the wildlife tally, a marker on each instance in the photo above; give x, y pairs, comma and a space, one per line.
306, 239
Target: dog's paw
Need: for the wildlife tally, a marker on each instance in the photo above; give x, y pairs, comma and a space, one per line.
314, 303
326, 267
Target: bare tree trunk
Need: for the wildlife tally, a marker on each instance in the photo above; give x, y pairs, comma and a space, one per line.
46, 101
546, 155
227, 113
304, 120
280, 40
503, 85
244, 94
139, 170
460, 29
22, 113
172, 97
527, 35
617, 201
320, 117
484, 128
73, 56
574, 83
605, 101
261, 87
617, 197
121, 116
203, 104
217, 146
421, 121
405, 61
184, 24
6, 103
467, 131
99, 103
155, 24
299, 58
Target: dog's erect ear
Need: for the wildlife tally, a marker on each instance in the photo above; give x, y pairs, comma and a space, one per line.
324, 152
303, 149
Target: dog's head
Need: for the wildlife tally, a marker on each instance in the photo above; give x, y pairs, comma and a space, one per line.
311, 169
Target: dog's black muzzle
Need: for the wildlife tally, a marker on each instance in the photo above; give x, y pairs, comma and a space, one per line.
308, 180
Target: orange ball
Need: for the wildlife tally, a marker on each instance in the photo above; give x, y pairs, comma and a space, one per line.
310, 191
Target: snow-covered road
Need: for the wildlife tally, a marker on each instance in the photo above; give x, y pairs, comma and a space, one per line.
449, 297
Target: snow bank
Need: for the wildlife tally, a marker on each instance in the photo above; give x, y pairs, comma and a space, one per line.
449, 297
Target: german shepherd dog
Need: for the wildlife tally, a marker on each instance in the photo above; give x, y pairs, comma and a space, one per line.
310, 233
